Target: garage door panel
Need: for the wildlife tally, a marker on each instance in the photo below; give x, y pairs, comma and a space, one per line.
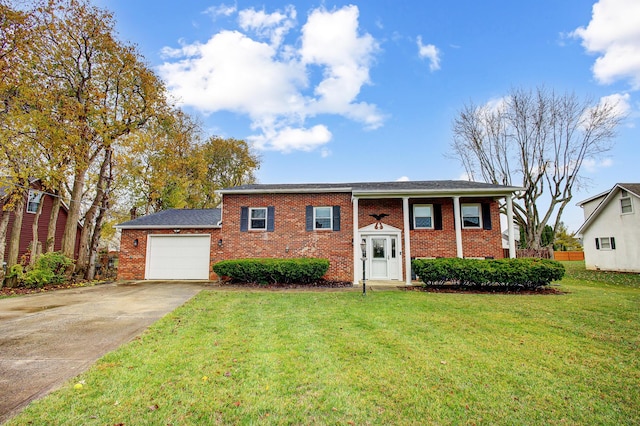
178, 257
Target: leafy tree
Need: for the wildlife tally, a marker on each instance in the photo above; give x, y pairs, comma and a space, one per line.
565, 240
538, 140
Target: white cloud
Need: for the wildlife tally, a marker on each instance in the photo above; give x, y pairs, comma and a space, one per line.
273, 26
221, 10
614, 34
619, 101
403, 179
593, 166
430, 52
292, 139
271, 81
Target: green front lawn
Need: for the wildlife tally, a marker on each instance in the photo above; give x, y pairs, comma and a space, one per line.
388, 358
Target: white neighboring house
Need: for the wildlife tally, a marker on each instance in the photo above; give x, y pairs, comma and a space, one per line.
611, 231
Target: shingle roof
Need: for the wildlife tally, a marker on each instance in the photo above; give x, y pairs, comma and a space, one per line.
364, 187
631, 187
176, 218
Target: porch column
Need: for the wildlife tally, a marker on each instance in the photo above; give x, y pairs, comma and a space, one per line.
407, 241
357, 253
458, 226
510, 228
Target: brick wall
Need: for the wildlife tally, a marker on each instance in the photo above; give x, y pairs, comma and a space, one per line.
132, 259
291, 240
290, 231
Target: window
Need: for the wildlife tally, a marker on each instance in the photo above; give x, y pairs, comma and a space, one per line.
471, 216
423, 216
606, 243
322, 218
258, 218
625, 205
34, 201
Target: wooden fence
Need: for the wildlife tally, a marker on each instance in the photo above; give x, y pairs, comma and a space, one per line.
546, 254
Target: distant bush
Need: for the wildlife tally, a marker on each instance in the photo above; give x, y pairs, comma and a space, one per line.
49, 268
266, 271
474, 273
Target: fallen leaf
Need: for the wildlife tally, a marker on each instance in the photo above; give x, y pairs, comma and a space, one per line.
443, 362
153, 407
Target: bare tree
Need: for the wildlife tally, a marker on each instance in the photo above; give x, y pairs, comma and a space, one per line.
538, 140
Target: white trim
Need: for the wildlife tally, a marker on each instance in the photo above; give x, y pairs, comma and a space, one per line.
628, 197
458, 226
479, 206
415, 224
510, 228
330, 227
407, 240
170, 226
266, 218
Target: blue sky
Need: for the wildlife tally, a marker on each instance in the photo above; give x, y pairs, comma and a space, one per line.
331, 91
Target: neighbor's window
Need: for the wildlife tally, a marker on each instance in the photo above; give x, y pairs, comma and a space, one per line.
322, 218
423, 216
258, 218
625, 205
34, 201
471, 216
605, 243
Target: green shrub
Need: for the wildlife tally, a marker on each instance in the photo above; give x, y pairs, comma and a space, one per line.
263, 271
49, 268
518, 273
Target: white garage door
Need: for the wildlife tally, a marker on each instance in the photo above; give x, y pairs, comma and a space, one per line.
178, 257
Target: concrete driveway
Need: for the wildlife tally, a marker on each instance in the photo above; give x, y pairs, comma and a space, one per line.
47, 339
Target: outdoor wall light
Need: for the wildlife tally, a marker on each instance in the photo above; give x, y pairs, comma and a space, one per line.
176, 231
286, 249
135, 242
220, 243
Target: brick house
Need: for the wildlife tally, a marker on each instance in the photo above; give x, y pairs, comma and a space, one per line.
322, 220
36, 198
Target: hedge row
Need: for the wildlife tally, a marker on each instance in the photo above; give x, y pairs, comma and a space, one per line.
520, 273
264, 271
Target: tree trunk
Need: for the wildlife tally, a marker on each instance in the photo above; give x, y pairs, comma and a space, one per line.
71, 227
4, 225
95, 240
35, 250
89, 222
14, 241
53, 223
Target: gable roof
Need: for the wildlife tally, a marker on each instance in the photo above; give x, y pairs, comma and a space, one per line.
633, 188
176, 218
433, 187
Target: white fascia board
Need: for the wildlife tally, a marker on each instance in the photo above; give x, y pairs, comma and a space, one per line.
435, 193
283, 191
168, 227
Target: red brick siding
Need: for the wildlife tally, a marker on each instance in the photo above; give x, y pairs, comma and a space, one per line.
290, 231
132, 260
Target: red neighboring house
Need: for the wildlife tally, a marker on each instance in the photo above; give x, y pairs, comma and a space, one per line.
397, 221
33, 197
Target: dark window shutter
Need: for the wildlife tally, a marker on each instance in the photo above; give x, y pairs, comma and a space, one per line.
309, 218
597, 244
336, 218
613, 243
486, 216
271, 218
437, 217
244, 219
411, 216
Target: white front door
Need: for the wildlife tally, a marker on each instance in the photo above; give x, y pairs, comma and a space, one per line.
382, 251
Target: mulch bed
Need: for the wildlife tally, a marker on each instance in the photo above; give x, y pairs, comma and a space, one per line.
19, 291
486, 290
321, 284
